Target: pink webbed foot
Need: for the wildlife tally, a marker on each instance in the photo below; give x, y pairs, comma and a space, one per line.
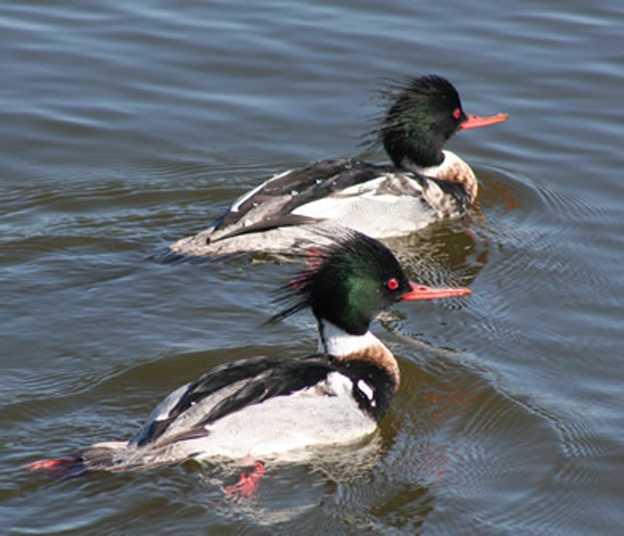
62, 468
247, 484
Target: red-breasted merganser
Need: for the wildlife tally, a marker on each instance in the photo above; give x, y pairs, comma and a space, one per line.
426, 182
280, 408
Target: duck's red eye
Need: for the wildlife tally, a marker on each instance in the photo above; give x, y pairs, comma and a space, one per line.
457, 113
393, 284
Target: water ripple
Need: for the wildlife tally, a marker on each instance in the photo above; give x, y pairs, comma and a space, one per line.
473, 436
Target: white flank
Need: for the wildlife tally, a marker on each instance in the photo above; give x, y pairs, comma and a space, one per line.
386, 206
336, 206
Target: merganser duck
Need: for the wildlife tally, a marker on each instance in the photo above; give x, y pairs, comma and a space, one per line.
281, 407
426, 182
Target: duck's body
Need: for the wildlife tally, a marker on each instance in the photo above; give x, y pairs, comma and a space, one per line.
269, 408
379, 201
282, 408
425, 183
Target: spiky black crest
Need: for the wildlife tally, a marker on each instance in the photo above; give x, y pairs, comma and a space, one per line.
419, 119
346, 282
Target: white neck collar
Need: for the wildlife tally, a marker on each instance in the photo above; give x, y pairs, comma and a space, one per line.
337, 342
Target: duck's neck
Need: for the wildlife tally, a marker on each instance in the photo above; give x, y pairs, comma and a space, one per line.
343, 346
452, 169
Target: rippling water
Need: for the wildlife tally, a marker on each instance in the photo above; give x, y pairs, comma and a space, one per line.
129, 125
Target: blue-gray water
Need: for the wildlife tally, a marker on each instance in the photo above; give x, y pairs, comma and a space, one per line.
127, 125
